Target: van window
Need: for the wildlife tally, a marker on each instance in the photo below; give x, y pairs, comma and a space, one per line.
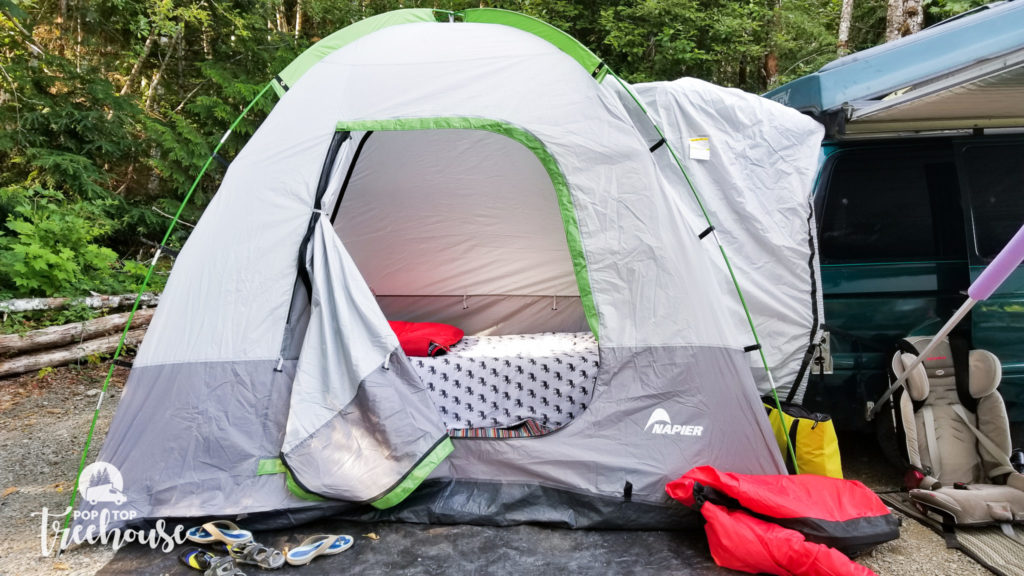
995, 179
882, 204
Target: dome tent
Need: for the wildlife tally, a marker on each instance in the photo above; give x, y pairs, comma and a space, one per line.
479, 168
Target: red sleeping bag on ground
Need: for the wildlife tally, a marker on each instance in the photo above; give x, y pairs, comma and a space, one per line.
786, 524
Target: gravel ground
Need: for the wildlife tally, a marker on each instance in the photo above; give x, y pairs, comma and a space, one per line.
44, 422
43, 425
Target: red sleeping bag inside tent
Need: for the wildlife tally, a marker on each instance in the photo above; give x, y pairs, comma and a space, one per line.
798, 518
425, 338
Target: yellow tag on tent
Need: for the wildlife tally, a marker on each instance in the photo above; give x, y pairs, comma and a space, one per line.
700, 148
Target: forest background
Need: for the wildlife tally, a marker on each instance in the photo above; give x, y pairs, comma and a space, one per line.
110, 108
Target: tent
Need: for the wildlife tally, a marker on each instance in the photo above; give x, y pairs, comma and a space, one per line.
757, 179
478, 168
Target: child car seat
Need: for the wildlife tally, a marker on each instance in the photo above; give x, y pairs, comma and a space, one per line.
957, 434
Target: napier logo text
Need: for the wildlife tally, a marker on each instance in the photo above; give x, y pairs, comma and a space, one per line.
660, 423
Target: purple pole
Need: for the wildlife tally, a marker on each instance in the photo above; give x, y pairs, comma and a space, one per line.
1000, 268
998, 271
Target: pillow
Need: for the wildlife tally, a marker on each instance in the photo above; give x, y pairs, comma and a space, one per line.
425, 338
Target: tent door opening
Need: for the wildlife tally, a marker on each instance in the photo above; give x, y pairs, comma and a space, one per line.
462, 221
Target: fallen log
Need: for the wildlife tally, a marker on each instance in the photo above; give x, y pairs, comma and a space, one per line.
117, 301
62, 356
55, 336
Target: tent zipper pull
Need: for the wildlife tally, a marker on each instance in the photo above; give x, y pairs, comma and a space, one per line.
387, 361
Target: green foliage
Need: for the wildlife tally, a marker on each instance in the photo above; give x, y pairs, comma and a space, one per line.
109, 109
74, 313
48, 246
805, 39
717, 40
938, 10
868, 26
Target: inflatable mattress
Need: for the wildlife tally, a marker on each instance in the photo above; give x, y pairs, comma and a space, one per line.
499, 381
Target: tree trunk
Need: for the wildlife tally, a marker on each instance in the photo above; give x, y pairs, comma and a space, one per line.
207, 48
903, 18
771, 69
770, 66
181, 60
154, 175
845, 18
159, 73
55, 336
298, 18
893, 20
282, 18
78, 37
62, 356
134, 74
62, 14
913, 17
118, 301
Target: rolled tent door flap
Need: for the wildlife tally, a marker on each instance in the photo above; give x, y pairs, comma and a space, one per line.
361, 426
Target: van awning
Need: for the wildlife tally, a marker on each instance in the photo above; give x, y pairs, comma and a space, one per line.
964, 73
989, 94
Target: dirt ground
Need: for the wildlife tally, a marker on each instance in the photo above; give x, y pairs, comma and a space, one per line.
44, 422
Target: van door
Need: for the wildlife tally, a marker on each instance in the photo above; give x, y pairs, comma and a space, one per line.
992, 176
893, 260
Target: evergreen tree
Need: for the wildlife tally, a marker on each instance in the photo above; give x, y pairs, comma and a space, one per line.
109, 108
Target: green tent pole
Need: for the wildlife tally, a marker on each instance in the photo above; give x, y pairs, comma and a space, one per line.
135, 306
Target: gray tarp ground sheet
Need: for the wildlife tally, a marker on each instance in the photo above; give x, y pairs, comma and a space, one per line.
408, 549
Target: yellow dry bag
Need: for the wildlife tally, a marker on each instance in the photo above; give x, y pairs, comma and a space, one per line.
813, 436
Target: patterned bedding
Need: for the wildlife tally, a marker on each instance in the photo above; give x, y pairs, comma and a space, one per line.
499, 381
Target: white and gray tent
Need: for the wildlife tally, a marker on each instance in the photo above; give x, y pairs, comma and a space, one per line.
482, 169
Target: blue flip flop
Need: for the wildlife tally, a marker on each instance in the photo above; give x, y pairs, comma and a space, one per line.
219, 531
340, 544
321, 544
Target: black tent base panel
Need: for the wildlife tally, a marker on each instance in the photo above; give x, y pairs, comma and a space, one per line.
394, 549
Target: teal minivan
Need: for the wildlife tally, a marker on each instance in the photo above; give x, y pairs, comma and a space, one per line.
921, 184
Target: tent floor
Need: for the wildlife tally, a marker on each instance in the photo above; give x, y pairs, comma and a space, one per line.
439, 549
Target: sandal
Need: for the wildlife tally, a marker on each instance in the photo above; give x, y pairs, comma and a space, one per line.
340, 544
321, 544
210, 565
258, 554
219, 531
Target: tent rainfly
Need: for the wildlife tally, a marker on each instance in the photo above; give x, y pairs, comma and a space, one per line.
485, 170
